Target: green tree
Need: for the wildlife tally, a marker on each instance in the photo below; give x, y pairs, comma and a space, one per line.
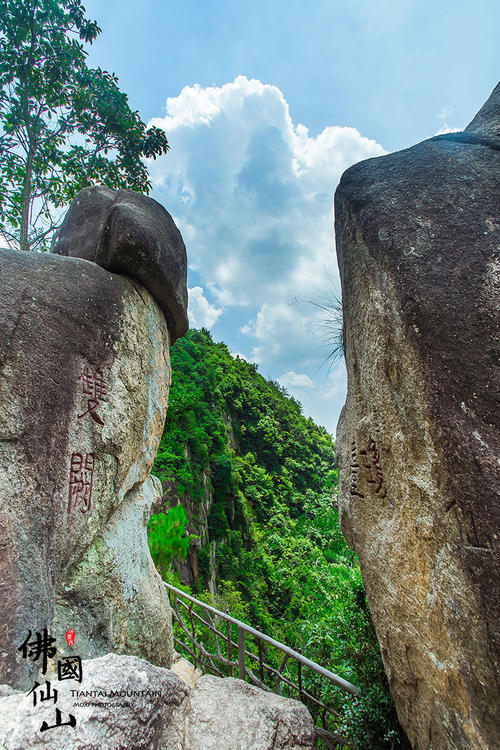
63, 125
166, 538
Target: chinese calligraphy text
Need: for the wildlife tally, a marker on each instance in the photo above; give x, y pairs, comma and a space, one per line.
80, 481
93, 386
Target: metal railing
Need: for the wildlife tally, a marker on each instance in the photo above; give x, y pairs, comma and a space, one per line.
210, 661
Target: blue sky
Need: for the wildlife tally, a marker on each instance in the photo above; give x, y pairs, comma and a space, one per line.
265, 104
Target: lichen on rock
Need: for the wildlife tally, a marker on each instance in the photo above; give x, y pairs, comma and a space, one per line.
84, 380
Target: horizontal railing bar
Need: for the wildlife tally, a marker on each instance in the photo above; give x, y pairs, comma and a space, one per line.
344, 684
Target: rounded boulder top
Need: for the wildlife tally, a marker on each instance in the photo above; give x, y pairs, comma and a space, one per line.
129, 233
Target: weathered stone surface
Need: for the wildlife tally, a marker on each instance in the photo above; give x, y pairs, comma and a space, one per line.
418, 236
67, 318
487, 120
127, 232
228, 714
125, 702
127, 606
80, 233
147, 700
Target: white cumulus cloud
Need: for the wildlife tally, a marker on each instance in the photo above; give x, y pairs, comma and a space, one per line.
445, 127
252, 193
256, 190
293, 380
200, 312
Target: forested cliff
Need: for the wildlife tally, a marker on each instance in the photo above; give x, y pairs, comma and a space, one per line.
257, 482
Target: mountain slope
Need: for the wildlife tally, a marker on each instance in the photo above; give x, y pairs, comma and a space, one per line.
257, 481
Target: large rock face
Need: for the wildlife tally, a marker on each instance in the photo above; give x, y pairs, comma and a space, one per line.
127, 232
84, 378
125, 702
418, 235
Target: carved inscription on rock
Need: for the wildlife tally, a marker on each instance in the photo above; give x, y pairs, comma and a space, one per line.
354, 471
371, 462
81, 474
82, 463
366, 469
94, 386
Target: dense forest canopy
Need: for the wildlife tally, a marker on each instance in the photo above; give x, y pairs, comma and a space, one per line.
238, 452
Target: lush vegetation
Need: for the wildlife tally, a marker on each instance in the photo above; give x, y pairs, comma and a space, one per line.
63, 125
240, 445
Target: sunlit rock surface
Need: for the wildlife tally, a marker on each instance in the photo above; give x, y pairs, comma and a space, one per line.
418, 236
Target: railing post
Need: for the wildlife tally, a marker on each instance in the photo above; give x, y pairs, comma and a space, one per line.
241, 653
280, 670
299, 672
193, 631
229, 647
261, 660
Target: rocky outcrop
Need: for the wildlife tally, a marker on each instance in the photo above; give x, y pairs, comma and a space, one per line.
418, 236
127, 232
125, 702
122, 702
201, 558
229, 714
197, 513
84, 379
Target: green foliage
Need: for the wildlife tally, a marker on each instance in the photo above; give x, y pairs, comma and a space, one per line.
64, 126
166, 538
239, 445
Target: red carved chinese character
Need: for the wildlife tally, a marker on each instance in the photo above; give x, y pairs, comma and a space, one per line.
375, 470
87, 382
93, 385
80, 481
